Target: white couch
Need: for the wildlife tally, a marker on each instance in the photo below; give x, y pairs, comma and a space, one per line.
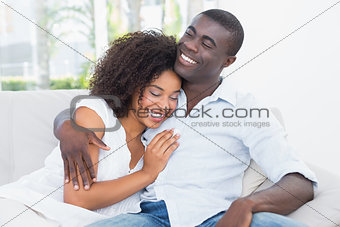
26, 138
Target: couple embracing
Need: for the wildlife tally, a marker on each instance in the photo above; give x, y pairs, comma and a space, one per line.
157, 169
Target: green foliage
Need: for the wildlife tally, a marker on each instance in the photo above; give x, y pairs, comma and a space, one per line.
115, 26
63, 83
84, 76
172, 25
17, 85
69, 83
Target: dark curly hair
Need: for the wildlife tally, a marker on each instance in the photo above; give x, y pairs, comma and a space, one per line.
132, 62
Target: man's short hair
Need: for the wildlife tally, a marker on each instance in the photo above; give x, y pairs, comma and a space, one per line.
231, 24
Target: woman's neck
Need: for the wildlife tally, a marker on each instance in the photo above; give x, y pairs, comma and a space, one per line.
133, 128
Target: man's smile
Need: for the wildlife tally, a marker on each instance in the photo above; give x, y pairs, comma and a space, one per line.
186, 59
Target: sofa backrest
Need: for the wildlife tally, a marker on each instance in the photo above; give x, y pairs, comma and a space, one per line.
26, 129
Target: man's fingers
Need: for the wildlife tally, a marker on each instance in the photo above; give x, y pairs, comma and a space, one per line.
98, 142
73, 175
83, 173
90, 166
66, 170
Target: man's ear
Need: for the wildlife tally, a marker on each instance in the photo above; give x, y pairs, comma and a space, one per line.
229, 60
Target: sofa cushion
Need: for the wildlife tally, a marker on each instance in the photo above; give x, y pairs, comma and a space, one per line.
28, 217
252, 179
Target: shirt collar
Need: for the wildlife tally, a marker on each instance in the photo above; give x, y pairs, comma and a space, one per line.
226, 91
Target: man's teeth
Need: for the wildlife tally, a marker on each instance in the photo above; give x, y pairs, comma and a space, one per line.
156, 115
187, 59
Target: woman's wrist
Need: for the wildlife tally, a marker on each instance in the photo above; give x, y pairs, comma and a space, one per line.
151, 177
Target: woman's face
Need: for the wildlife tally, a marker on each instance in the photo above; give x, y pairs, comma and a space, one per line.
159, 99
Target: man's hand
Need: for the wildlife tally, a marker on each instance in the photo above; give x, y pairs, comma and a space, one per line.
287, 195
239, 214
74, 151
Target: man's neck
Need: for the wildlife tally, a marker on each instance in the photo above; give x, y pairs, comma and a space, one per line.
196, 92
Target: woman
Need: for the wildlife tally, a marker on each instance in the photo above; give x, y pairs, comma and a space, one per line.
138, 71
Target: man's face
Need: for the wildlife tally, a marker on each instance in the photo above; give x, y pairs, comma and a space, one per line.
202, 51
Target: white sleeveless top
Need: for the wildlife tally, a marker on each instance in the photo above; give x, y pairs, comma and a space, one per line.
42, 190
114, 163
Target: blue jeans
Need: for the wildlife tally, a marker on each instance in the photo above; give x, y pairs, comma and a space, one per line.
154, 214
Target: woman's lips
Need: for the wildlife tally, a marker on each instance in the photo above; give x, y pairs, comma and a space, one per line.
156, 116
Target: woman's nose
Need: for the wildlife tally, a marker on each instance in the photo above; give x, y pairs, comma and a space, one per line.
164, 104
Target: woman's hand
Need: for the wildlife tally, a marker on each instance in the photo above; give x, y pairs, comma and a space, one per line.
158, 152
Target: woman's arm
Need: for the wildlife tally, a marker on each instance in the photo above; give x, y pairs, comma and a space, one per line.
106, 193
74, 144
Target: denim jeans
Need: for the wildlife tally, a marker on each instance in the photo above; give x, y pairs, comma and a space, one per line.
154, 214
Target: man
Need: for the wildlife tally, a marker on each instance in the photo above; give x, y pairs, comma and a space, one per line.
202, 183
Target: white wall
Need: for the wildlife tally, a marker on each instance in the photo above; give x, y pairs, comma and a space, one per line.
300, 75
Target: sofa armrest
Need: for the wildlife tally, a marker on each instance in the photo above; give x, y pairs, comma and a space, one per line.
324, 209
26, 120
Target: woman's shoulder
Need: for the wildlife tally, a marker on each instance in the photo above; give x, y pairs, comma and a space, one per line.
99, 106
114, 132
92, 102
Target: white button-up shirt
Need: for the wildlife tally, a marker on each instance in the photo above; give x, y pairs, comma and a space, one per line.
218, 139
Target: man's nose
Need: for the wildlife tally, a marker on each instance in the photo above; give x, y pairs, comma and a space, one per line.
191, 45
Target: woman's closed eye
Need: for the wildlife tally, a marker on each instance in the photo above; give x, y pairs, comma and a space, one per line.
157, 95
154, 94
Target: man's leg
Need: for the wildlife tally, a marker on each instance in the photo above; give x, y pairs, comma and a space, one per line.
264, 219
211, 222
125, 220
153, 214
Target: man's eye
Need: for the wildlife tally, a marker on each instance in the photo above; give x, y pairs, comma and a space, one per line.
188, 34
206, 45
174, 98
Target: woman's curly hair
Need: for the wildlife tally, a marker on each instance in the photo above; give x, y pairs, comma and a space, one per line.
132, 62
